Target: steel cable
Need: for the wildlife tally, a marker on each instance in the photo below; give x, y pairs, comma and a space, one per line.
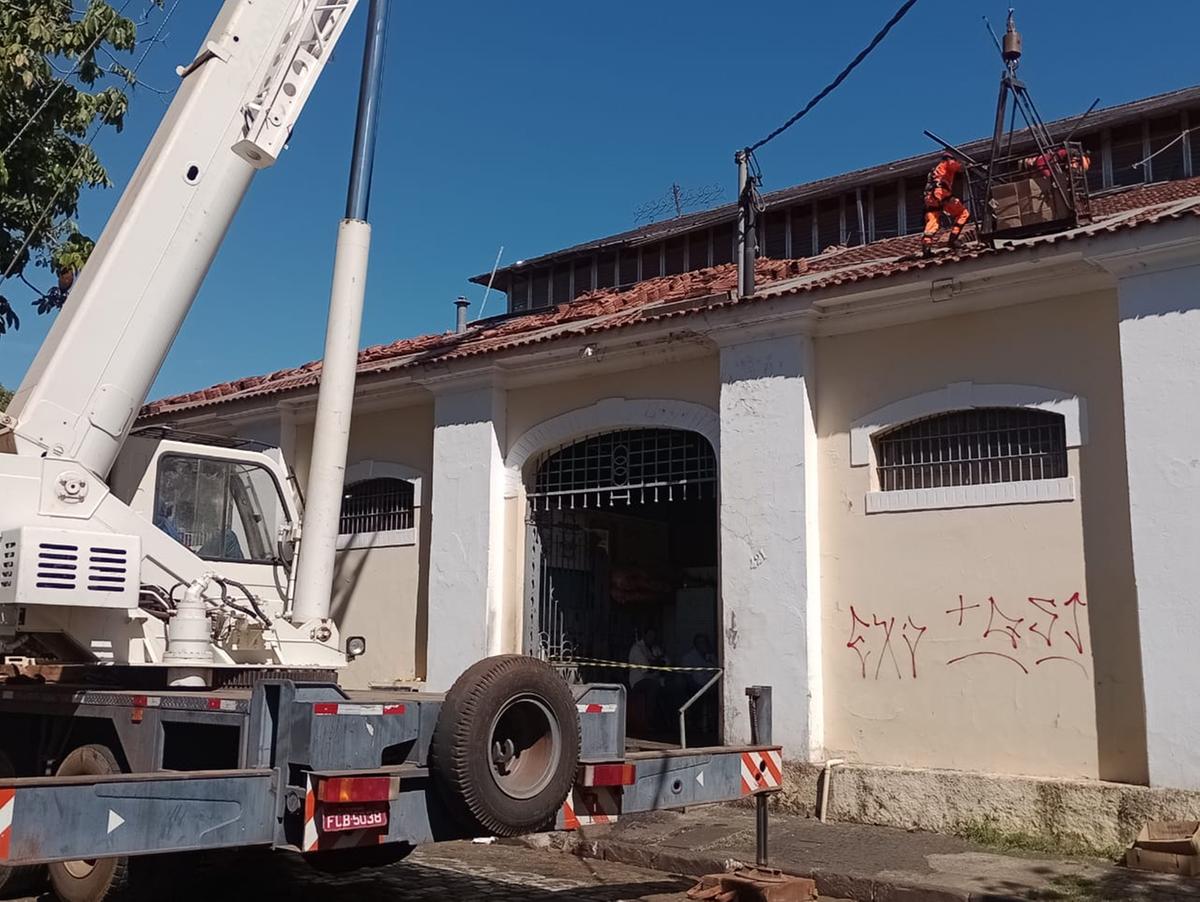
828, 89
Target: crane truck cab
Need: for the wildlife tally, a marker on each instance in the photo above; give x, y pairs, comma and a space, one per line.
232, 502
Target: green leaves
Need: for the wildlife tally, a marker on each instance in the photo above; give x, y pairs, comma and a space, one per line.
59, 82
5, 397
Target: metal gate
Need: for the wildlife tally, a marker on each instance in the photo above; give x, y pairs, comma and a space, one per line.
566, 561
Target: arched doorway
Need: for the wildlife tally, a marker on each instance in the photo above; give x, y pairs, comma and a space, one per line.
622, 566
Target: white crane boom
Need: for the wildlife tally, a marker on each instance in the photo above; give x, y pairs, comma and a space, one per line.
97, 546
235, 108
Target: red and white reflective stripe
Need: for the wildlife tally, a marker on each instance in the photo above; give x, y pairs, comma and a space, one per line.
585, 807
597, 709
311, 837
608, 775
359, 710
761, 770
7, 803
222, 704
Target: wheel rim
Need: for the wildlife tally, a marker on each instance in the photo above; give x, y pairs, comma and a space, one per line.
80, 869
524, 747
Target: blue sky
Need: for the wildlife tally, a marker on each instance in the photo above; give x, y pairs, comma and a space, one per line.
538, 124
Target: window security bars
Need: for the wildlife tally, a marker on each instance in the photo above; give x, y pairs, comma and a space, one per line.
972, 447
376, 505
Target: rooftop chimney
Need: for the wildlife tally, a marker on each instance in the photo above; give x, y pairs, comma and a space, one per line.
460, 324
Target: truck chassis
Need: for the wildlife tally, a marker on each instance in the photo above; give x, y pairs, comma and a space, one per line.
305, 767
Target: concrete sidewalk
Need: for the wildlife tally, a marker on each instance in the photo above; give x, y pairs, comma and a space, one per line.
852, 861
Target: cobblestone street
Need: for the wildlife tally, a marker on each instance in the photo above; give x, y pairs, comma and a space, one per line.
451, 872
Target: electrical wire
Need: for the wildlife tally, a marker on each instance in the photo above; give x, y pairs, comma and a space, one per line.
1183, 134
58, 86
829, 88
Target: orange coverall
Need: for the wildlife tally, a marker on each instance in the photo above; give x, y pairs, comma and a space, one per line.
939, 199
1042, 164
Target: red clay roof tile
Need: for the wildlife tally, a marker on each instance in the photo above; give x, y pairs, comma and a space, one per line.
612, 308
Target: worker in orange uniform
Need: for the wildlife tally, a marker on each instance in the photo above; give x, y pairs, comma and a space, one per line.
939, 199
1041, 162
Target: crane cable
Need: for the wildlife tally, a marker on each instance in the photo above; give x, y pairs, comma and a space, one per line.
83, 148
828, 89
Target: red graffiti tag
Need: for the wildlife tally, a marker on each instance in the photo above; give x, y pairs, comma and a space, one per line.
857, 639
887, 625
1040, 604
997, 654
961, 609
1009, 629
1047, 613
1041, 661
913, 643
1075, 603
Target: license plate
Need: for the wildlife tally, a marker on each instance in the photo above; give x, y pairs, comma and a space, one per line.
353, 818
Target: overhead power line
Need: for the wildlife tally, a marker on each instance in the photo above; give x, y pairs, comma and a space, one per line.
59, 84
83, 149
828, 89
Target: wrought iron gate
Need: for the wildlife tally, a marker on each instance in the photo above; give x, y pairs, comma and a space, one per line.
567, 562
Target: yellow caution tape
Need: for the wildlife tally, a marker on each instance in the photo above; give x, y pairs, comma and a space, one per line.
595, 662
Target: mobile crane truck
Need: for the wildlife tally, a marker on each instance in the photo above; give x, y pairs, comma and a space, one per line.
165, 620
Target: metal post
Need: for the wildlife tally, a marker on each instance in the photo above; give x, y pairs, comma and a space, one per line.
862, 218
339, 366
760, 734
745, 226
683, 710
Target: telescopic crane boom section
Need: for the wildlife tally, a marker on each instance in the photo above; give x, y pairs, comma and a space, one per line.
235, 108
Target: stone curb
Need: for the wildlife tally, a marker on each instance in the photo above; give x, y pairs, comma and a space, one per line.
829, 883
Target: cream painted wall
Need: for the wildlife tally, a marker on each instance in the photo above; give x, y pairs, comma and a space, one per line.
697, 380
381, 593
928, 697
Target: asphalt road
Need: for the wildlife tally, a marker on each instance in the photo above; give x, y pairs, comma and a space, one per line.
463, 872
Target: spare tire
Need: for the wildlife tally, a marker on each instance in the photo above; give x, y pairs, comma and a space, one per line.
506, 746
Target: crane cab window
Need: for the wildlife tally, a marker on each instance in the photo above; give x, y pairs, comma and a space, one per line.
223, 510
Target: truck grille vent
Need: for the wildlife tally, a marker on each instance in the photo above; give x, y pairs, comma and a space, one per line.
57, 565
8, 563
108, 569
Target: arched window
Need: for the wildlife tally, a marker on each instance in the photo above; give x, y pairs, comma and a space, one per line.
978, 446
379, 504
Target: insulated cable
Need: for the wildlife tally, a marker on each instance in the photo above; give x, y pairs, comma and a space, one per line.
224, 582
829, 88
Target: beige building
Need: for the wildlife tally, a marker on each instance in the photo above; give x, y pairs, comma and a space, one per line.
946, 508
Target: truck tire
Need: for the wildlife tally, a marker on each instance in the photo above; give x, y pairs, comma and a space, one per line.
92, 880
20, 880
506, 745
